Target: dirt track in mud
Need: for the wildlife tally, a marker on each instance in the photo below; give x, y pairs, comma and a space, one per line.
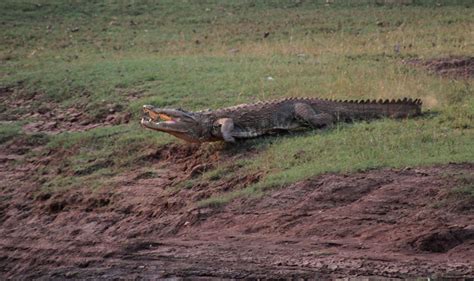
388, 222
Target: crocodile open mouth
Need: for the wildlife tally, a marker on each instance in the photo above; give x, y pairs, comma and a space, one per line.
161, 119
150, 115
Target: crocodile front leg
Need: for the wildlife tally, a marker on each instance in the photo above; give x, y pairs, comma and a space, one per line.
227, 125
309, 115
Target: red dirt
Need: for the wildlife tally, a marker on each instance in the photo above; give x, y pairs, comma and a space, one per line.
49, 117
454, 67
388, 222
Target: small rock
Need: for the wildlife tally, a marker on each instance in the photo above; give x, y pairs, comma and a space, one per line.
85, 122
74, 114
49, 114
110, 118
70, 274
50, 125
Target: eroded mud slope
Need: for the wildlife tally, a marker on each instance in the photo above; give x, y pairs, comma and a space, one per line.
453, 67
388, 222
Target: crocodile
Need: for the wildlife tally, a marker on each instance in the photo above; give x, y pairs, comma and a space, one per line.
262, 118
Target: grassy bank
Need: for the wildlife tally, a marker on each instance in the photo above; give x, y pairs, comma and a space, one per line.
209, 54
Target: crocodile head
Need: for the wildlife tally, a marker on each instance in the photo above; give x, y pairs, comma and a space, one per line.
182, 124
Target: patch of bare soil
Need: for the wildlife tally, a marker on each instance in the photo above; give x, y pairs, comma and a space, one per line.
49, 117
454, 67
389, 222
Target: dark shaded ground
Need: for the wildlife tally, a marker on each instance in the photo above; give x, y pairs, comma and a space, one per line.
389, 222
454, 67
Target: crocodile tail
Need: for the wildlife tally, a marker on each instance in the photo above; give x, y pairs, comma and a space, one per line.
367, 109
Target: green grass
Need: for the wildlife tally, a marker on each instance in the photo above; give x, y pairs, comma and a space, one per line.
95, 156
357, 147
9, 131
209, 54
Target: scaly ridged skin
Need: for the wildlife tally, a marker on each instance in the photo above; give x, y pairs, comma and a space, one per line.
266, 117
251, 120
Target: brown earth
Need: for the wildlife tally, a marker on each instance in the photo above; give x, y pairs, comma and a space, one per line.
51, 118
453, 67
390, 222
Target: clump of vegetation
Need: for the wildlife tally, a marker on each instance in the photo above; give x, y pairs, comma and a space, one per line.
9, 131
465, 186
